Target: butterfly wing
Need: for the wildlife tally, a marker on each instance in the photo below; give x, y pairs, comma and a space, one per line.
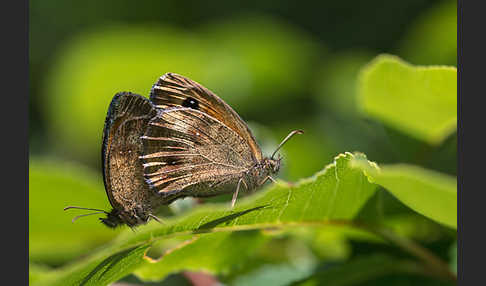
189, 152
127, 118
173, 90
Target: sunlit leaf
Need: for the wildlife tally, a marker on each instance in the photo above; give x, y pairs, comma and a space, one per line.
418, 100
213, 253
430, 193
334, 195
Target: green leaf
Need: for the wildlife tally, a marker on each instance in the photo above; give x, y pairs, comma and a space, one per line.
336, 193
333, 195
432, 38
37, 272
53, 185
280, 261
214, 253
429, 193
100, 269
420, 101
275, 274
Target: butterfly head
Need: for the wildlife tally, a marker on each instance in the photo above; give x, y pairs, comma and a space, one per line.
113, 219
119, 217
272, 166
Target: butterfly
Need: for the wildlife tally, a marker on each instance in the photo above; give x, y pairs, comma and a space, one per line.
184, 141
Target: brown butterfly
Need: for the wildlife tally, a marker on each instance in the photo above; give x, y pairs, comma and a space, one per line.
194, 144
131, 198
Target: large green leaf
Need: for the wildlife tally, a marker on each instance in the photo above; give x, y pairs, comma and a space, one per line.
430, 193
418, 100
54, 185
37, 272
102, 268
334, 195
279, 274
214, 253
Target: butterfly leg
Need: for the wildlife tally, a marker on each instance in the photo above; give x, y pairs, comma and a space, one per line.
155, 218
266, 179
235, 194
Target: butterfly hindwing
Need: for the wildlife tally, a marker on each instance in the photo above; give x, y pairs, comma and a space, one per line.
127, 118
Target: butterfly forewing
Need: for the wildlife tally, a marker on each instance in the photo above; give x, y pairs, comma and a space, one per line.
173, 90
184, 147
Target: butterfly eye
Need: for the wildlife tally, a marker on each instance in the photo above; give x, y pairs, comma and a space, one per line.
191, 103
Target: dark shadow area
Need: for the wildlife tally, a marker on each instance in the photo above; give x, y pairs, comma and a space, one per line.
173, 279
209, 225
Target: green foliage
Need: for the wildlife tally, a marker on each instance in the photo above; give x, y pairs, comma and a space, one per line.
36, 272
337, 82
233, 248
335, 194
419, 101
361, 270
274, 69
54, 185
276, 274
352, 222
430, 193
332, 197
98, 269
432, 39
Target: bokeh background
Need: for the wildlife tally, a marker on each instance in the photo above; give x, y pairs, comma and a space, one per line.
281, 65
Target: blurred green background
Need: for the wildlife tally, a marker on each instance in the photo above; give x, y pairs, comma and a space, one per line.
281, 65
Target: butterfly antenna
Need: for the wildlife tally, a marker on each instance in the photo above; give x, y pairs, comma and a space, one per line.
97, 211
80, 208
76, 217
286, 139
